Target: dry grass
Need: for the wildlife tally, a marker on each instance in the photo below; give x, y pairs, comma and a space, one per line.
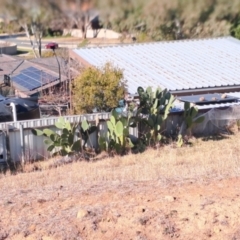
203, 160
168, 193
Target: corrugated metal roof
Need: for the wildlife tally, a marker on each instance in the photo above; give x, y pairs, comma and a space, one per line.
52, 64
175, 65
7, 64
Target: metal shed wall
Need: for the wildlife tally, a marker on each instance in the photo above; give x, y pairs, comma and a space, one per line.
23, 145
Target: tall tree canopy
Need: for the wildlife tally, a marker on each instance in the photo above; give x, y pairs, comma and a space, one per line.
33, 16
37, 16
151, 20
166, 20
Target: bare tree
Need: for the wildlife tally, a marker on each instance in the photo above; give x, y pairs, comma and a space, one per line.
57, 99
77, 13
33, 16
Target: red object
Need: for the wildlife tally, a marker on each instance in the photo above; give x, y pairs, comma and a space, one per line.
51, 45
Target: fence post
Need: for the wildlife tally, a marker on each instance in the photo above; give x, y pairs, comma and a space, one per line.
8, 150
3, 136
22, 143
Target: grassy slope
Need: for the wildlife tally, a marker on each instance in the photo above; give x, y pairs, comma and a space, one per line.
212, 158
46, 203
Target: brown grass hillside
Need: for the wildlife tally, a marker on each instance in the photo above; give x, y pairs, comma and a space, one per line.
171, 193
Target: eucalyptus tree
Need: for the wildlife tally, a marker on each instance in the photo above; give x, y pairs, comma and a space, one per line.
77, 14
166, 20
121, 15
33, 16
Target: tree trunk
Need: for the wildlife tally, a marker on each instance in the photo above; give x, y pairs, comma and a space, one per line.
84, 33
25, 27
40, 45
178, 33
95, 32
37, 33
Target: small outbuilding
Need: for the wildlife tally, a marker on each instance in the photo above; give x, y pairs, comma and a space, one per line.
192, 70
184, 67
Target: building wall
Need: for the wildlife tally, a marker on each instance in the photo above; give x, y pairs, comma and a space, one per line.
33, 147
8, 49
20, 94
103, 33
3, 153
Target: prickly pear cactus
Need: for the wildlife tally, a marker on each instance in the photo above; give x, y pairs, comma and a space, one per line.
117, 139
65, 143
190, 118
155, 106
190, 115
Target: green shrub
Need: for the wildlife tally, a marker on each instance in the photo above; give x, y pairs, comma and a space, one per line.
98, 88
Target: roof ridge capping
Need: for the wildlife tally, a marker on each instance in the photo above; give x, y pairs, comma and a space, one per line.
163, 42
234, 40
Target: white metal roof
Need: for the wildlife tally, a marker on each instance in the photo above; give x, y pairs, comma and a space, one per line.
175, 65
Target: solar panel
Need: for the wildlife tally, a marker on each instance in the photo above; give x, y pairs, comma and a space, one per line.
24, 82
32, 78
32, 75
45, 80
21, 83
31, 69
20, 80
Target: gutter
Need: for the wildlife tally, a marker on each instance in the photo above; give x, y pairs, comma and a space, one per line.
223, 89
178, 93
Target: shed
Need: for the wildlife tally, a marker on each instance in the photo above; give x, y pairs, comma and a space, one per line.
184, 67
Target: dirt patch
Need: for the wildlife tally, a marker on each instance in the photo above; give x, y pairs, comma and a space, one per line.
134, 210
167, 194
